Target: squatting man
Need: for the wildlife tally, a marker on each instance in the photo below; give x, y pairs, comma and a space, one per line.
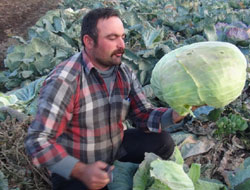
78, 130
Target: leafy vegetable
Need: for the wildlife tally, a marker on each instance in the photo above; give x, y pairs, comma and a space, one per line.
237, 35
240, 179
156, 174
142, 178
54, 38
211, 73
230, 125
6, 100
153, 28
209, 185
170, 174
194, 172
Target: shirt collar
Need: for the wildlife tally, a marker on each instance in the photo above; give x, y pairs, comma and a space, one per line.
88, 65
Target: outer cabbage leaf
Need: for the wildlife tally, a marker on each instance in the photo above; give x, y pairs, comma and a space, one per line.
13, 60
37, 45
171, 175
157, 185
142, 178
194, 172
7, 100
28, 95
212, 73
240, 179
206, 185
123, 176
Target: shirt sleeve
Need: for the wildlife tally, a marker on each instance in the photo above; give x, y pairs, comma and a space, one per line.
54, 111
142, 113
64, 167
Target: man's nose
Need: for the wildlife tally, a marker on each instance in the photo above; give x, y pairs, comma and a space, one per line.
121, 43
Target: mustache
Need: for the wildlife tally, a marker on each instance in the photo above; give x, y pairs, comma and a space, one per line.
118, 51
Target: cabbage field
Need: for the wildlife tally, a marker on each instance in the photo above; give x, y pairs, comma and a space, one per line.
214, 147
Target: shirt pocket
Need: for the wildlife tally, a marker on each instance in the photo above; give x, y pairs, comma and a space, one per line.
125, 108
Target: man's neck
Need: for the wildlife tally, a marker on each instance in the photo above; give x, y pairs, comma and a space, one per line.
96, 65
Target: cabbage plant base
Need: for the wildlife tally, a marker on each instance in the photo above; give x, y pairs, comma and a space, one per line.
204, 73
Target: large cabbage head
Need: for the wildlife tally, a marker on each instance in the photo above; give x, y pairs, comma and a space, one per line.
211, 73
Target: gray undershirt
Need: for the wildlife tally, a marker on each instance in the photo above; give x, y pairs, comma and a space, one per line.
108, 76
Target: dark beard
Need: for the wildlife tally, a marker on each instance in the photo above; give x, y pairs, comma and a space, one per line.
110, 63
106, 63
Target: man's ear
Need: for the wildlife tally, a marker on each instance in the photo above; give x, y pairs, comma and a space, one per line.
88, 41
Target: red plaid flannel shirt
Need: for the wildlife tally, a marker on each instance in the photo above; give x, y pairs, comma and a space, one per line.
78, 117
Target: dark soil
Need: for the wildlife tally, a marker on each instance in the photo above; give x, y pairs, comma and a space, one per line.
16, 16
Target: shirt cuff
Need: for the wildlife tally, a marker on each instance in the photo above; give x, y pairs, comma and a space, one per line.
166, 118
154, 120
167, 123
64, 167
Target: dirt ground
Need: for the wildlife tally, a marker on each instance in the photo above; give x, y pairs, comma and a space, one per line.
16, 16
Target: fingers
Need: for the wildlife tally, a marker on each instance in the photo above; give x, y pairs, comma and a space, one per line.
97, 176
112, 168
103, 167
93, 175
194, 108
100, 164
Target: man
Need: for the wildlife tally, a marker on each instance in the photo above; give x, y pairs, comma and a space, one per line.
78, 130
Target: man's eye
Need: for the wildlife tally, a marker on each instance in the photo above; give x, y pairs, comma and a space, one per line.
112, 37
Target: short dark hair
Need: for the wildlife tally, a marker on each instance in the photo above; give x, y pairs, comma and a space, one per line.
90, 20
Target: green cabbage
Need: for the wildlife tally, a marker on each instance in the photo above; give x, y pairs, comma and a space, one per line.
211, 73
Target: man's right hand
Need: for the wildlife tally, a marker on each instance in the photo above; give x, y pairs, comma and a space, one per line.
93, 175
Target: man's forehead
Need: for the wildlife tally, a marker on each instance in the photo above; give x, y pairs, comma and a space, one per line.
110, 25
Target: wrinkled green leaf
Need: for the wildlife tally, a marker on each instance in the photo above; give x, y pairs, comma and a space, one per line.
13, 83
28, 92
26, 74
210, 32
177, 156
48, 16
175, 180
142, 178
131, 18
13, 60
37, 45
194, 172
48, 25
244, 185
241, 179
215, 114
59, 24
152, 36
207, 185
6, 100
43, 64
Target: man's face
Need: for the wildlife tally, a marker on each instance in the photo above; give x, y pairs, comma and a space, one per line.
110, 44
